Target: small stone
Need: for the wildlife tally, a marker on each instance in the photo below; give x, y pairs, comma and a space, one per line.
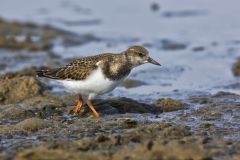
116, 139
130, 123
15, 111
31, 125
150, 145
173, 45
176, 131
198, 49
236, 68
84, 145
169, 105
155, 6
102, 138
131, 83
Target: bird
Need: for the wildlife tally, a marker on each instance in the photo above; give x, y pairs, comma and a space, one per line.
91, 76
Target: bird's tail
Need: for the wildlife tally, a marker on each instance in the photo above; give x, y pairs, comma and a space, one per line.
49, 73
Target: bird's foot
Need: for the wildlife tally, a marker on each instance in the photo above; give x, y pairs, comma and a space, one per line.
95, 113
79, 105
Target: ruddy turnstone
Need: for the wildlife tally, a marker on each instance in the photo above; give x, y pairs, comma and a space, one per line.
99, 74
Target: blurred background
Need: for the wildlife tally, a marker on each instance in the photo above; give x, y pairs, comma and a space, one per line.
189, 108
196, 41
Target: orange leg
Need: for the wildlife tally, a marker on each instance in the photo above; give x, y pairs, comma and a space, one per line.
79, 104
89, 103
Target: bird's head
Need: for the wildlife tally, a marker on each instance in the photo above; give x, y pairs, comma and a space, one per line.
139, 55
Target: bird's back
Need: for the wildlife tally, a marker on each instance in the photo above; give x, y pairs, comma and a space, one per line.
78, 69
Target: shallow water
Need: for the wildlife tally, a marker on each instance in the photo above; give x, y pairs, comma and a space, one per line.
185, 71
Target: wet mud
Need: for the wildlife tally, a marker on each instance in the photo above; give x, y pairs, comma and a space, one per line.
36, 124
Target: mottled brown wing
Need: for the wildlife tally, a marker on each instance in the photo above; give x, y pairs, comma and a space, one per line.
68, 72
90, 60
78, 69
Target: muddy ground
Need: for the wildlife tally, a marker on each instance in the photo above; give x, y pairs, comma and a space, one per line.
36, 123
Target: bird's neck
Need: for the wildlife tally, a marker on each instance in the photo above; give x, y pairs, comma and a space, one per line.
118, 67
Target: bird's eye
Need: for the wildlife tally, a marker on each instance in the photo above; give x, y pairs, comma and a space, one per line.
140, 54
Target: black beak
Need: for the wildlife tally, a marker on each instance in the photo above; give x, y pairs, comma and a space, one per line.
150, 60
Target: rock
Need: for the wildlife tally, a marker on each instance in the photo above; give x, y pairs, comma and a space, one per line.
126, 105
172, 45
236, 68
207, 126
104, 108
44, 36
84, 145
102, 138
131, 83
40, 106
5, 129
176, 131
116, 106
53, 154
223, 94
14, 44
31, 125
29, 71
176, 150
45, 106
233, 86
4, 156
130, 123
15, 112
172, 150
198, 48
169, 105
3, 66
17, 89
200, 100
155, 6
26, 126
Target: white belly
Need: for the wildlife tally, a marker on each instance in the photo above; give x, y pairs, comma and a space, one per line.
94, 85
